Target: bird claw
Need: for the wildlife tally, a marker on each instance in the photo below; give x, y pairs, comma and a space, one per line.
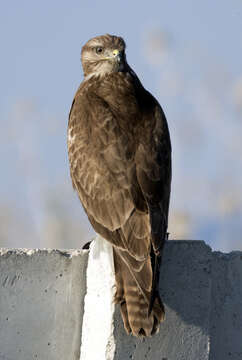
86, 246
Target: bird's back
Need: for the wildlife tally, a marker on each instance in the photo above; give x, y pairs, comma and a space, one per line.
118, 141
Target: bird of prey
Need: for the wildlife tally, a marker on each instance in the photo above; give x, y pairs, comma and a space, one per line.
120, 164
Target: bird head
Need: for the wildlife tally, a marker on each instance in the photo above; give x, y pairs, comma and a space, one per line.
102, 55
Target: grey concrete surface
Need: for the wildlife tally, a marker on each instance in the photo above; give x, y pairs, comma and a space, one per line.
42, 299
185, 288
202, 293
41, 304
226, 307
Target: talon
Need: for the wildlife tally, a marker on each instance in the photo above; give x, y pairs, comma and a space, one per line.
157, 252
86, 246
142, 332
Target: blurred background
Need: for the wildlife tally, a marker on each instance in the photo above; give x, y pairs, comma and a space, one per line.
187, 53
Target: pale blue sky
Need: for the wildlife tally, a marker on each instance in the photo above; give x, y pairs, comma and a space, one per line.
40, 41
40, 71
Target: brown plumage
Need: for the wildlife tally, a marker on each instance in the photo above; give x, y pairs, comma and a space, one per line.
120, 163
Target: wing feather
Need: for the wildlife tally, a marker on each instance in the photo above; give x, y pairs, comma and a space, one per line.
120, 163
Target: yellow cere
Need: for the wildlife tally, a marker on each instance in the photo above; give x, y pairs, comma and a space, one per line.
115, 52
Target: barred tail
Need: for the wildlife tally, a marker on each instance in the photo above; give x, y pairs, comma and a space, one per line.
133, 293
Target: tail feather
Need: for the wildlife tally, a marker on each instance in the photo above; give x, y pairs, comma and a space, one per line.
134, 298
137, 268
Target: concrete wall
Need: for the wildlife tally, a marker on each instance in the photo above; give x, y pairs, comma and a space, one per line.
41, 304
43, 296
202, 292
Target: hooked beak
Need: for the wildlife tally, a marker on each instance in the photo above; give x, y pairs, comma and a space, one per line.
118, 57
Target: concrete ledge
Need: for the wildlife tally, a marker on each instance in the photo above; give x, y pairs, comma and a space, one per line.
41, 304
185, 287
42, 300
202, 293
226, 307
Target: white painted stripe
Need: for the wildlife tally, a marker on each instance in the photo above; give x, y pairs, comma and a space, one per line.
97, 330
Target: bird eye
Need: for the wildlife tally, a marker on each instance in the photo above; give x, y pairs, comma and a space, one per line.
99, 50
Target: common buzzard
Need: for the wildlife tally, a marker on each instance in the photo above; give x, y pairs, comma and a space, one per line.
120, 164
